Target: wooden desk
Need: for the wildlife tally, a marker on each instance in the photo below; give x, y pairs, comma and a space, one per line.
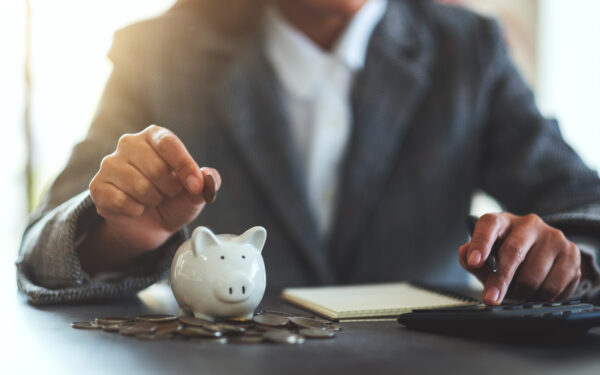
41, 341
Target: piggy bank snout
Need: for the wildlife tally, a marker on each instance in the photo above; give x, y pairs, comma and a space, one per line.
233, 287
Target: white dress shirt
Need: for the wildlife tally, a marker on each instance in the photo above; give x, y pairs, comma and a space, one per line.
317, 93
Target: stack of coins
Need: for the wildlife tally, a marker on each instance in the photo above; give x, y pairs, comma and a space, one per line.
266, 326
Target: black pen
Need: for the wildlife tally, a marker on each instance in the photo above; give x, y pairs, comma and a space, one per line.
491, 262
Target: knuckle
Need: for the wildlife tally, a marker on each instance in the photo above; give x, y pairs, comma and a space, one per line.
152, 128
165, 140
573, 250
119, 201
141, 187
107, 162
491, 219
514, 249
125, 141
557, 235
480, 239
94, 190
532, 219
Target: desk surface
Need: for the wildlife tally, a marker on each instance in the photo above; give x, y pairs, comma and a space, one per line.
40, 340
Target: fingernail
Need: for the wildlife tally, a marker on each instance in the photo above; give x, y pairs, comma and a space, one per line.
492, 294
193, 184
474, 258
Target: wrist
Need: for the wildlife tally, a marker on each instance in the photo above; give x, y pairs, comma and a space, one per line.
103, 251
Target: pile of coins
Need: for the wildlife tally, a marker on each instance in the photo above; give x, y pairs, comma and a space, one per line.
266, 326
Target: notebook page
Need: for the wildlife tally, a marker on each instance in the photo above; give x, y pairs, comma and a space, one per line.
374, 298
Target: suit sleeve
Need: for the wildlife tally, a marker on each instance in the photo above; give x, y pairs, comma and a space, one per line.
527, 165
48, 267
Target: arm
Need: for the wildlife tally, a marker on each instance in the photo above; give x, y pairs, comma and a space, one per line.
530, 169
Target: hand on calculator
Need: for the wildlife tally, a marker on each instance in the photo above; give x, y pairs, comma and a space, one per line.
534, 261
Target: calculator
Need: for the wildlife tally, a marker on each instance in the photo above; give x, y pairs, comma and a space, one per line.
511, 319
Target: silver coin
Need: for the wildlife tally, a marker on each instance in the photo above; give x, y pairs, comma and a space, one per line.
85, 325
271, 320
193, 321
304, 322
138, 329
317, 333
230, 328
283, 337
111, 327
156, 318
253, 332
199, 332
172, 326
112, 320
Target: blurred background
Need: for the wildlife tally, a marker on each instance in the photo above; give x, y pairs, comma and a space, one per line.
555, 43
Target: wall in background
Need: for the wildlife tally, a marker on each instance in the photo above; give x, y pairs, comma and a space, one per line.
69, 70
569, 71
12, 151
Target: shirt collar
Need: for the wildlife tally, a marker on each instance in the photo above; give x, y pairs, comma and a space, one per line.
299, 63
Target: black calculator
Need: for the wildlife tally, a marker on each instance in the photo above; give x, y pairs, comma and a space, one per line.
522, 319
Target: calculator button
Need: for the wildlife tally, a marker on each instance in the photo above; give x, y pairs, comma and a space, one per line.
533, 305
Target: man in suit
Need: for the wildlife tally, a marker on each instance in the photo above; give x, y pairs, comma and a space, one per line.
355, 131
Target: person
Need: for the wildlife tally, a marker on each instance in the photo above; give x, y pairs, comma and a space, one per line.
355, 131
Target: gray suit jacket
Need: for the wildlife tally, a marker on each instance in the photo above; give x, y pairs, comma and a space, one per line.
439, 112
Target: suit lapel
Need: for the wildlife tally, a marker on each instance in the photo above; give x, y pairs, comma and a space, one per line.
249, 103
386, 94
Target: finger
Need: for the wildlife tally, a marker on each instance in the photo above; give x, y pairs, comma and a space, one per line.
481, 273
110, 200
132, 182
532, 272
173, 152
155, 169
511, 254
568, 290
488, 229
566, 269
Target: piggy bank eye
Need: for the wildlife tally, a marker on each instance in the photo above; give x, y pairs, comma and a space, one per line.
243, 257
222, 256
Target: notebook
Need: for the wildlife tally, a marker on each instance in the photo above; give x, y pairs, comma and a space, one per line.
370, 301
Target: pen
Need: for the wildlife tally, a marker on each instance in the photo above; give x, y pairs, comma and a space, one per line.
491, 262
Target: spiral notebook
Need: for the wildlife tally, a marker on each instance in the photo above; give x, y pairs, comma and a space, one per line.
370, 301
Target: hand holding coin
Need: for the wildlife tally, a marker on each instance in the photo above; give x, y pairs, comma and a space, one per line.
145, 191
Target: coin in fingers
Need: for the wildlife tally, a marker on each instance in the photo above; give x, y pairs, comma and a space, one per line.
210, 189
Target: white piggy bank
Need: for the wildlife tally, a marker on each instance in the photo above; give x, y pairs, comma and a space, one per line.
220, 276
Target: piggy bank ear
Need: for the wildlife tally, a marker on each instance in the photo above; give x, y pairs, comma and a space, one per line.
203, 238
255, 236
